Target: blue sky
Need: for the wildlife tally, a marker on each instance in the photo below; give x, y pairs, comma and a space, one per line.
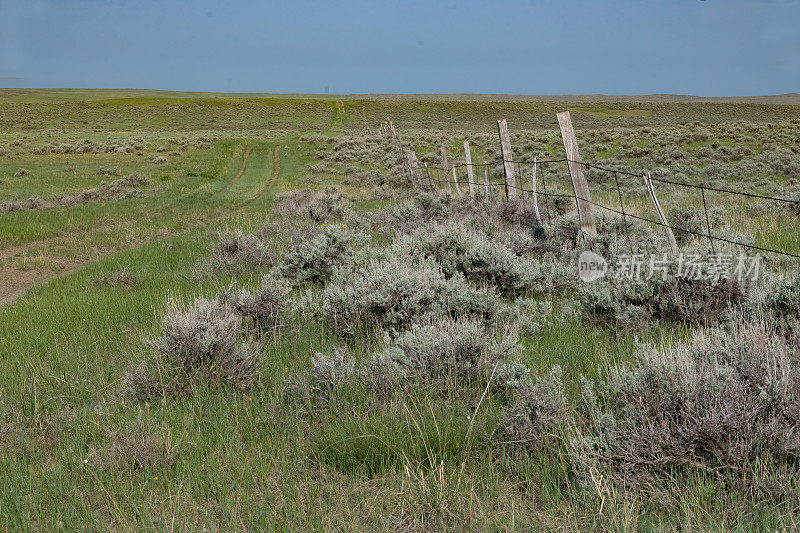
703, 47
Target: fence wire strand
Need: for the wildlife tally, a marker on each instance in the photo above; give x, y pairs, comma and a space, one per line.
623, 212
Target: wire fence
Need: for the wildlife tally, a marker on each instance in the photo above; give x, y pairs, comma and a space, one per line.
621, 211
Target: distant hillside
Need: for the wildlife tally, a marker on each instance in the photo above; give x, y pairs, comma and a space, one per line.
55, 95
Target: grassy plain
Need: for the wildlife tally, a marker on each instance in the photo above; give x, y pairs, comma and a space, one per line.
75, 453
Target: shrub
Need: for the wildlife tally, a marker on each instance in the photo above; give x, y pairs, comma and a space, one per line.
330, 371
677, 299
201, 342
391, 291
441, 351
316, 258
714, 403
474, 255
693, 220
263, 306
329, 204
290, 203
538, 408
778, 298
236, 250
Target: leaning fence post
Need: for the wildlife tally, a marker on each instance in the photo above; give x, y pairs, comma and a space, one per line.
579, 184
508, 159
455, 180
445, 166
486, 178
470, 175
670, 236
535, 197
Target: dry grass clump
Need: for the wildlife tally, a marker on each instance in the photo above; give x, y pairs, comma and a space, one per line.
715, 403
121, 277
134, 450
199, 342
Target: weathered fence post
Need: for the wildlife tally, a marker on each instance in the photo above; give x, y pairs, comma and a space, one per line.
416, 175
430, 180
390, 128
486, 178
470, 175
508, 159
535, 197
445, 166
579, 184
670, 236
455, 180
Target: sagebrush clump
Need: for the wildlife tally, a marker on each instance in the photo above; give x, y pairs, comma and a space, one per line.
262, 307
442, 351
315, 259
200, 342
476, 257
391, 291
715, 403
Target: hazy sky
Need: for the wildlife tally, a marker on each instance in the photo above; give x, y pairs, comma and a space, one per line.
709, 48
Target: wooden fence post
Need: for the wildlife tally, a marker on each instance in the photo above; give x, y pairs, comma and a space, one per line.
455, 180
670, 236
445, 166
430, 180
416, 175
579, 184
535, 197
390, 128
470, 175
508, 160
486, 178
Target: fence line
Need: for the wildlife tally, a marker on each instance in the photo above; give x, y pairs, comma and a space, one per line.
625, 213
581, 193
626, 173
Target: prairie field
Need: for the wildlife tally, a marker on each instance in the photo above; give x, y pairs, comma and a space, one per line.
243, 312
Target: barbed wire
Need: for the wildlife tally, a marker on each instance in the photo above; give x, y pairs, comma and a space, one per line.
617, 211
623, 172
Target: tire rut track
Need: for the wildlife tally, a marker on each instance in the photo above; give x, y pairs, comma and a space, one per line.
241, 169
275, 171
